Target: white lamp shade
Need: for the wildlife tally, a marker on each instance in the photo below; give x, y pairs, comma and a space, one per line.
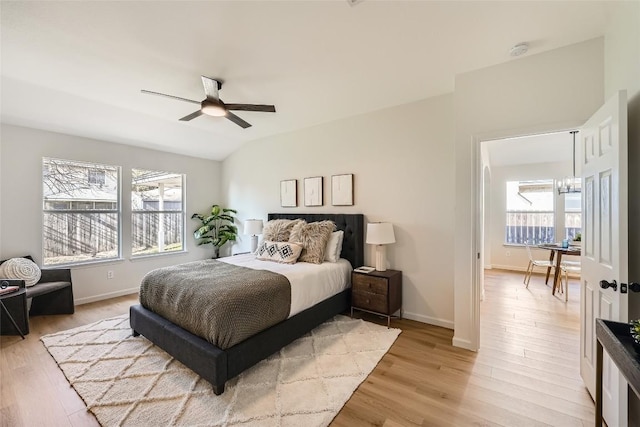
253, 227
380, 233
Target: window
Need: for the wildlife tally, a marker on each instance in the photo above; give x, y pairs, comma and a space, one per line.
81, 221
572, 215
530, 212
157, 218
96, 176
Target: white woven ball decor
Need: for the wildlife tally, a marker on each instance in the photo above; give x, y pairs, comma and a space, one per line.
22, 269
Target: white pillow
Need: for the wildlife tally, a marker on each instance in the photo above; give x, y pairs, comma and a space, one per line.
283, 252
21, 269
334, 246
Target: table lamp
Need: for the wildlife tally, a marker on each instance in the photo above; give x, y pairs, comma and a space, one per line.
380, 234
253, 227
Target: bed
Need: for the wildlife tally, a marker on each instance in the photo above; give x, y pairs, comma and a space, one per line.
218, 365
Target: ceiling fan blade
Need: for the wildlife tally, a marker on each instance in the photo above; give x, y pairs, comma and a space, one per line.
237, 120
148, 92
252, 107
211, 87
191, 116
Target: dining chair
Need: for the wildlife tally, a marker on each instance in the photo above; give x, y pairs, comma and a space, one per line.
566, 268
544, 263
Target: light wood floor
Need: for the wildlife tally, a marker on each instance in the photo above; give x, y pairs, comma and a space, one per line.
526, 373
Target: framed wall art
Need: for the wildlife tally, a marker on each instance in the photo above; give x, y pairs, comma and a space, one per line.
342, 190
289, 193
313, 191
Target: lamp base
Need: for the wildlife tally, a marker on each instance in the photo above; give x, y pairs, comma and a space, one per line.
254, 244
381, 258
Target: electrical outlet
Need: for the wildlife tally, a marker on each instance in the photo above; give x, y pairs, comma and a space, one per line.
110, 274
507, 253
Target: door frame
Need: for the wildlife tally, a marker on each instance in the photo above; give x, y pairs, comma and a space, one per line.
477, 236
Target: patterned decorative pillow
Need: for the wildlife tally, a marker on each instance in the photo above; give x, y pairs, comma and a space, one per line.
284, 252
279, 230
21, 269
313, 237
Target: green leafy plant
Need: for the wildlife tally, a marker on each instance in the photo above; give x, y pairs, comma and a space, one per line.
216, 227
635, 330
577, 237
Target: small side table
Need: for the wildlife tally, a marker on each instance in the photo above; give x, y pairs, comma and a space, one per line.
378, 292
615, 338
14, 318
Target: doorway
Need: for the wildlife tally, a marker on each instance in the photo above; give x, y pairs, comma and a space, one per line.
537, 334
520, 205
604, 159
519, 200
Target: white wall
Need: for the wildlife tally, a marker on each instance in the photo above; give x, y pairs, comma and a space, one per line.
622, 50
550, 91
622, 71
486, 216
510, 257
22, 150
402, 161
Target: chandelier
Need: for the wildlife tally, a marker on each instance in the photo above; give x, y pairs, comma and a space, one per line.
570, 184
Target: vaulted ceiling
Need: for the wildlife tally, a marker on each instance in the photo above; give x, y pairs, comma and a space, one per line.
78, 67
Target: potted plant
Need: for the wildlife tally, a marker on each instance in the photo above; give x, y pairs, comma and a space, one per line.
577, 240
635, 334
216, 228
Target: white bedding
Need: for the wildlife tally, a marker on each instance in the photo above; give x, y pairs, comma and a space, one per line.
310, 283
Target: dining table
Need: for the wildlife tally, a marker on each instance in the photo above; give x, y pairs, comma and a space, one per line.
556, 252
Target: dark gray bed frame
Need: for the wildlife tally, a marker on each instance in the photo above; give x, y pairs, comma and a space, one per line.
216, 365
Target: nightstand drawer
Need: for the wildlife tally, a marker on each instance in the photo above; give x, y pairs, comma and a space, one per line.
370, 301
371, 284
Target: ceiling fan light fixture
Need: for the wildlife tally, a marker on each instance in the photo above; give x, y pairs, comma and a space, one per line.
213, 105
211, 109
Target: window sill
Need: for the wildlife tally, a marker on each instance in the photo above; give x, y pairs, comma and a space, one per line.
522, 245
84, 264
135, 258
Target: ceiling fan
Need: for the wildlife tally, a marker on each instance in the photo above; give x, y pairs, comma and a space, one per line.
213, 105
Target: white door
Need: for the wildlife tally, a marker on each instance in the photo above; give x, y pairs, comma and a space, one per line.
603, 158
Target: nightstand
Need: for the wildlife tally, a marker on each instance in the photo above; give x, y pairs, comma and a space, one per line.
378, 292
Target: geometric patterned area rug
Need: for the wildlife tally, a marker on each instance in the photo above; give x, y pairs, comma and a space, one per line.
128, 381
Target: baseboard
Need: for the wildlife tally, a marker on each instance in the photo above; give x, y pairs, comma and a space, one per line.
537, 272
466, 344
510, 268
101, 297
427, 319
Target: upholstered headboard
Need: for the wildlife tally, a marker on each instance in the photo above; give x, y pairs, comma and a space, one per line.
351, 224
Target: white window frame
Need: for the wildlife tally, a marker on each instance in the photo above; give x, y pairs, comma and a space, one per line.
551, 213
571, 211
182, 212
46, 171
